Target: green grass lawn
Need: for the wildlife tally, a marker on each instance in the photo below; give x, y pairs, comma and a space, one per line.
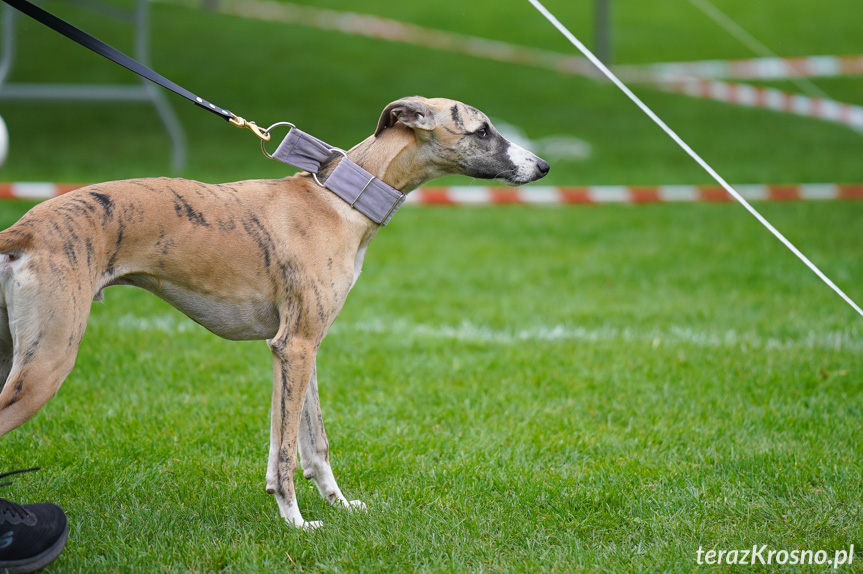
508, 389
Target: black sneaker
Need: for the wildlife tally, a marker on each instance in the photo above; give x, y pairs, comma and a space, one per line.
31, 535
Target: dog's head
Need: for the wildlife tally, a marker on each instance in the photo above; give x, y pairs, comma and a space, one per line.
459, 139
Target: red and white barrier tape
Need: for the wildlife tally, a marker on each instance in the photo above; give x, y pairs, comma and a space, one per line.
35, 190
597, 194
768, 98
397, 31
751, 69
379, 28
546, 195
672, 76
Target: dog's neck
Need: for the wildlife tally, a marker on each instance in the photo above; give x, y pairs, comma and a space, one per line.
393, 157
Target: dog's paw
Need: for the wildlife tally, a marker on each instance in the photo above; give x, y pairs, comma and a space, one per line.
356, 505
306, 525
272, 484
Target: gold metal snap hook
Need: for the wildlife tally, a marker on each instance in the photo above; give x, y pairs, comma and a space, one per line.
251, 126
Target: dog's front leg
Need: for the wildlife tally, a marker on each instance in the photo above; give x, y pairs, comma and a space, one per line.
315, 450
293, 363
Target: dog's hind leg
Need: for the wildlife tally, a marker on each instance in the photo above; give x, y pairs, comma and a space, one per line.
315, 449
46, 328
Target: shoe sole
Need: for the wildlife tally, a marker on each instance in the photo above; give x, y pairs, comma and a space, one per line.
36, 562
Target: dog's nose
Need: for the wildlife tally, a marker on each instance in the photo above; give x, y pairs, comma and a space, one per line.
543, 167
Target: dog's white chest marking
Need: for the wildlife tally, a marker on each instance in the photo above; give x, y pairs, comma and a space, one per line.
358, 263
360, 257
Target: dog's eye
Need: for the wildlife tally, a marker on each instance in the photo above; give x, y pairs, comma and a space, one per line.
482, 132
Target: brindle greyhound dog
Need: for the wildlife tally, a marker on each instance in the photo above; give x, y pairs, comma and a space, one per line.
258, 259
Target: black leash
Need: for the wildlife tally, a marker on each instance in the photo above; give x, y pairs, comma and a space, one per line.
103, 49
350, 182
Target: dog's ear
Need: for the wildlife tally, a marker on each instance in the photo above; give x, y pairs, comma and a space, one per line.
412, 112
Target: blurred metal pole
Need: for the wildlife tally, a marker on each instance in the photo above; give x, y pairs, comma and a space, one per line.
602, 35
144, 91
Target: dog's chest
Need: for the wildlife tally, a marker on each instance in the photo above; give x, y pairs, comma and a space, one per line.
238, 320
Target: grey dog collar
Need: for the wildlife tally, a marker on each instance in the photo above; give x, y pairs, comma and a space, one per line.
363, 191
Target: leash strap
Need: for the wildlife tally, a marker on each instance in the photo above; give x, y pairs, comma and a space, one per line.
354, 185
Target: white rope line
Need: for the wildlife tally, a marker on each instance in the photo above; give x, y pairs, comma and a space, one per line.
596, 62
752, 43
733, 28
